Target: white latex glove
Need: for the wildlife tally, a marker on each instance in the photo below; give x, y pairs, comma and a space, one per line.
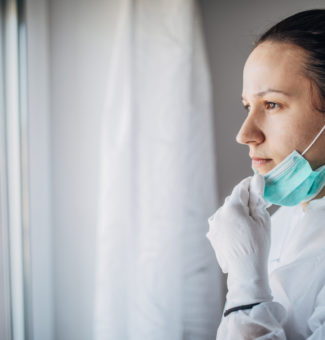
240, 235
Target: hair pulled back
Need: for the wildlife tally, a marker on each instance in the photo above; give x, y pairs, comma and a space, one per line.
307, 30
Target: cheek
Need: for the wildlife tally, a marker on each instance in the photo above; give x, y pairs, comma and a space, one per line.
291, 129
281, 140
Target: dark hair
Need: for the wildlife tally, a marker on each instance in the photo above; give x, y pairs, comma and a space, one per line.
307, 30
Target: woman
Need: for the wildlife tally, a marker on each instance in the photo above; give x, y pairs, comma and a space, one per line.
276, 290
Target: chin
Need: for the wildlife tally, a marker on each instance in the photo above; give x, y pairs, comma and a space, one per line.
263, 170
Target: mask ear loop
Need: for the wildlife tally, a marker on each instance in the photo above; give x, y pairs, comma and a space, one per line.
311, 144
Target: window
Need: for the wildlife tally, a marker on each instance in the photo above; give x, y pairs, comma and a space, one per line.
14, 225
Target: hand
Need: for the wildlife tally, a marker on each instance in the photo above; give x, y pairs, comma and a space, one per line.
240, 236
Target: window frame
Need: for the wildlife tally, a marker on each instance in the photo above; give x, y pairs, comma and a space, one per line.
15, 266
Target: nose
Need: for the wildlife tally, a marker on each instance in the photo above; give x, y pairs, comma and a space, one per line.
250, 132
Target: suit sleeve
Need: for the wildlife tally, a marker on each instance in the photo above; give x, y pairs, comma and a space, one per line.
316, 322
262, 322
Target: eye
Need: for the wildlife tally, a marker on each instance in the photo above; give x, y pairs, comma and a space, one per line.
272, 105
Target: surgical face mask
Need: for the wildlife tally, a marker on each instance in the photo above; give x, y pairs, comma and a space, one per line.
293, 180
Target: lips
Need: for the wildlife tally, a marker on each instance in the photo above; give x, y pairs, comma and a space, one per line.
256, 161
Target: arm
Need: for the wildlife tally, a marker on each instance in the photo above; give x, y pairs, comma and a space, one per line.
262, 322
240, 235
265, 321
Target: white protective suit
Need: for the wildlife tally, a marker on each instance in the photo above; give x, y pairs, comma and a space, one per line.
297, 281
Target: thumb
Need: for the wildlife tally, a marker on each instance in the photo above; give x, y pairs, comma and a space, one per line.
256, 192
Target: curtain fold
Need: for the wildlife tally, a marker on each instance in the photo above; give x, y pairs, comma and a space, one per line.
156, 274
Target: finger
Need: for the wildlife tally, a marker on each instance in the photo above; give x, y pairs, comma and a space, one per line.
240, 193
257, 184
257, 203
256, 192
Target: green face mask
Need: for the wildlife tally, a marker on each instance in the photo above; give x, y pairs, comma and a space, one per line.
293, 180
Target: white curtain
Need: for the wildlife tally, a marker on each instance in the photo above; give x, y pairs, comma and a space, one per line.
156, 273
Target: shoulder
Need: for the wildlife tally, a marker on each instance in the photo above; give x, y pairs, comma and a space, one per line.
315, 211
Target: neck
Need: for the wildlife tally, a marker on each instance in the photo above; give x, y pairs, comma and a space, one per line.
320, 195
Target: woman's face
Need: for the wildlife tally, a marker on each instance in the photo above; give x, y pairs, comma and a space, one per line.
280, 102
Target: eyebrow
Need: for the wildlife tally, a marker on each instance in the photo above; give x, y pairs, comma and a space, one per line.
262, 93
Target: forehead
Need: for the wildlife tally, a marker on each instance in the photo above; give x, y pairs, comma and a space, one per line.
274, 65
